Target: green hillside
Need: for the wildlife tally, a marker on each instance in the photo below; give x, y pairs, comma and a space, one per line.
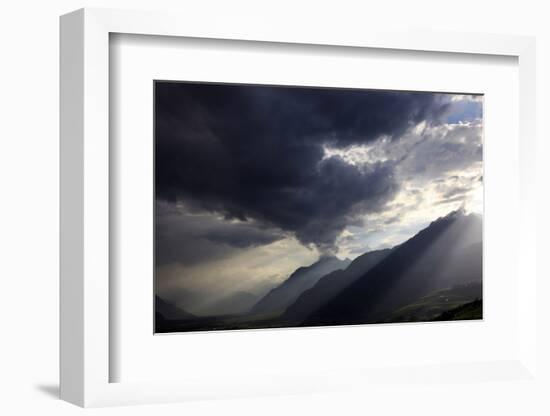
446, 304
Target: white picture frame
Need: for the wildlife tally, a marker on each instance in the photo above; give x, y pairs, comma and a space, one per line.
85, 219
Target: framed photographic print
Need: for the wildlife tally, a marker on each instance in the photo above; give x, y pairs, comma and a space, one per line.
284, 206
272, 212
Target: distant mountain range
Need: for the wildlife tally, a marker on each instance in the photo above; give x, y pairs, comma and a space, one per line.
278, 299
445, 254
435, 274
331, 285
168, 311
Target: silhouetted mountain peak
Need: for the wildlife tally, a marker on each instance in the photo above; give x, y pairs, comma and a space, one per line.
459, 214
168, 311
451, 216
445, 253
325, 261
332, 284
300, 280
327, 258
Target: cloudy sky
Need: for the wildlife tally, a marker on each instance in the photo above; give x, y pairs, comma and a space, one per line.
255, 181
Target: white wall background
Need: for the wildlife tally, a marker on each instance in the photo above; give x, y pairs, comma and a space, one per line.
29, 205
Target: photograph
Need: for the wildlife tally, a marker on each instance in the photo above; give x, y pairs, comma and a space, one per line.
291, 206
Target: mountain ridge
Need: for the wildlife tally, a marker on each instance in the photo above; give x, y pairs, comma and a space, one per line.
434, 258
303, 278
169, 311
331, 284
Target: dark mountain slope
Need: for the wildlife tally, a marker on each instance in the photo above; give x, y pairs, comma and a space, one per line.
468, 311
331, 285
446, 253
169, 311
279, 298
438, 303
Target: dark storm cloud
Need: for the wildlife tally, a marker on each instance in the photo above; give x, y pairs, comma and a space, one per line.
176, 241
188, 239
257, 153
243, 236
